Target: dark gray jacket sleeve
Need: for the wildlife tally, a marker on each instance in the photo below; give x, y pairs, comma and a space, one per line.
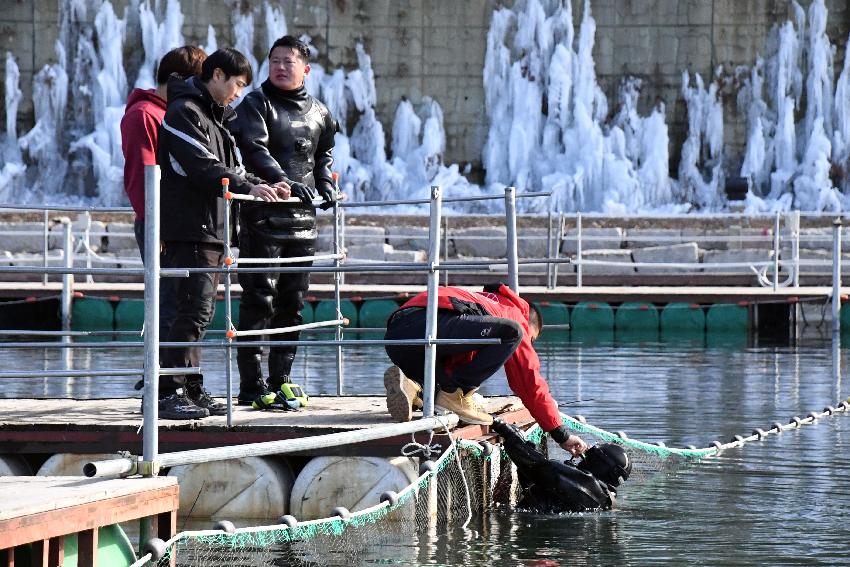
251, 132
188, 144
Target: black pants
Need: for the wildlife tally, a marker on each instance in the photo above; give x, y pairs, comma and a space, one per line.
270, 301
167, 287
410, 324
195, 301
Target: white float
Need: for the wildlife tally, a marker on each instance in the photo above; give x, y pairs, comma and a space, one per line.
251, 487
353, 483
71, 464
13, 465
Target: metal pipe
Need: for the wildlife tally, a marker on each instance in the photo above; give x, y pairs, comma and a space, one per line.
221, 344
45, 243
86, 373
87, 241
125, 466
558, 249
67, 279
290, 260
339, 253
446, 200
510, 221
579, 252
14, 207
174, 273
431, 307
836, 274
228, 320
281, 447
549, 251
776, 252
795, 227
150, 405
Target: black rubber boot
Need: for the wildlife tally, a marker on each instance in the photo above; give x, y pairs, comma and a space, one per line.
251, 382
280, 366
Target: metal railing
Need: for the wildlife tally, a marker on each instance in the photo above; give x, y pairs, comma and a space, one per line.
152, 271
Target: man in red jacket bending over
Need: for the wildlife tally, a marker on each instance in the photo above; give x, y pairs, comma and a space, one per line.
497, 312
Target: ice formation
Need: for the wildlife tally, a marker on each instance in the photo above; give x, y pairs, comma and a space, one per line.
551, 127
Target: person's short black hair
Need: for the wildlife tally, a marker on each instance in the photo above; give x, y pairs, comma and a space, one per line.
181, 61
535, 317
291, 41
231, 62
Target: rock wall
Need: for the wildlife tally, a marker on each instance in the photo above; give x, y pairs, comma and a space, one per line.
436, 48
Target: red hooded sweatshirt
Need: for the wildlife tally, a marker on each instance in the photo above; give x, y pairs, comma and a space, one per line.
139, 135
523, 367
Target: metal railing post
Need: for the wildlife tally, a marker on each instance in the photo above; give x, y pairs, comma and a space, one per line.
795, 250
836, 274
228, 315
559, 241
433, 291
150, 442
337, 233
578, 251
45, 242
549, 251
87, 241
776, 252
67, 279
510, 222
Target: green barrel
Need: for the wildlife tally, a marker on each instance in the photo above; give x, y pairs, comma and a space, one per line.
219, 317
375, 312
130, 315
685, 317
636, 316
308, 312
92, 314
727, 317
326, 311
554, 313
592, 315
113, 548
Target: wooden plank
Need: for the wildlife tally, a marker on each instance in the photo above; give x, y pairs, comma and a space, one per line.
87, 515
31, 495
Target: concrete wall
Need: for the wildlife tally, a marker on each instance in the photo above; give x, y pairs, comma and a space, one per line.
436, 48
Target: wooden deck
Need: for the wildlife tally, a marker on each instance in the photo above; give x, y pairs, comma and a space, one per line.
104, 426
42, 510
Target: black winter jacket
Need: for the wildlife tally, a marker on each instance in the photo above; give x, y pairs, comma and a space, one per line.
284, 136
195, 152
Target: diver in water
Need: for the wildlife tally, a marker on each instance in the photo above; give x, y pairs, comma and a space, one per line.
551, 486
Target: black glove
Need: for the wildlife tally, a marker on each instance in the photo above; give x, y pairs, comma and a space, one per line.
328, 194
303, 192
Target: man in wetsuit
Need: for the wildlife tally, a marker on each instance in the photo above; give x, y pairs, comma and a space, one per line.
496, 312
285, 136
551, 486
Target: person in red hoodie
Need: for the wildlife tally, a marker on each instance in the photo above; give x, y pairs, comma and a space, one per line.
140, 127
497, 312
139, 136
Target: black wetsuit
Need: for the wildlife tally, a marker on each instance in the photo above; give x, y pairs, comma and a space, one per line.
283, 136
551, 486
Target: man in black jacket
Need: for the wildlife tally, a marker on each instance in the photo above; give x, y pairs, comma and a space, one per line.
285, 135
195, 152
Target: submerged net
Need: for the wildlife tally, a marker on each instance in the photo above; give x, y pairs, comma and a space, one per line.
466, 480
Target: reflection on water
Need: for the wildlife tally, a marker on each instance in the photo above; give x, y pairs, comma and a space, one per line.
784, 501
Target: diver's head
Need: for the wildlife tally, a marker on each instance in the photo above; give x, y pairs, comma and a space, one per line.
608, 462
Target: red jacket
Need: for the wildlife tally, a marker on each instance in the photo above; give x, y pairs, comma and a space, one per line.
523, 367
139, 135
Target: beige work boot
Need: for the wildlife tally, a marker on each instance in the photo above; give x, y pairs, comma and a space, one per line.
466, 408
402, 394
